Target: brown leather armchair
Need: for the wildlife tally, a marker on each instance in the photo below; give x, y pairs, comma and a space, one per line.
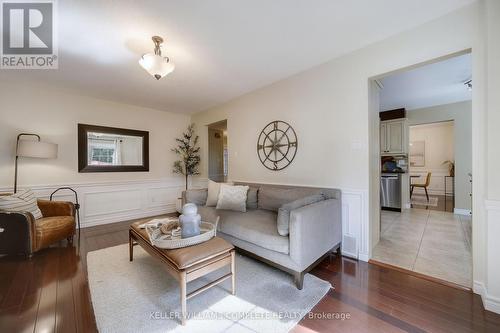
20, 233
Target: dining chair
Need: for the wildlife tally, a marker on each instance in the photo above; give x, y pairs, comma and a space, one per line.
424, 186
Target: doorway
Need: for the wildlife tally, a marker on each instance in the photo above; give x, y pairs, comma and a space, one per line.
432, 234
217, 151
431, 158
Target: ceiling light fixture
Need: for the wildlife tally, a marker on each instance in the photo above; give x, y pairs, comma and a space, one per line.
154, 63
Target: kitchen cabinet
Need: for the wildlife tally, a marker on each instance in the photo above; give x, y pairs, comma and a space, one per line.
393, 137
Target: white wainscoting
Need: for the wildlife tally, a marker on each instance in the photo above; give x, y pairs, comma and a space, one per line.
355, 226
108, 202
491, 301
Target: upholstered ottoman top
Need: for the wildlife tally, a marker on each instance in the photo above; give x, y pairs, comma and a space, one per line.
185, 257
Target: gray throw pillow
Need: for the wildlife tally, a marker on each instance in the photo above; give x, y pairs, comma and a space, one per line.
252, 197
284, 211
198, 197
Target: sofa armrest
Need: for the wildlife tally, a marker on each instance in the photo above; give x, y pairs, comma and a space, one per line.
17, 233
56, 208
196, 196
314, 230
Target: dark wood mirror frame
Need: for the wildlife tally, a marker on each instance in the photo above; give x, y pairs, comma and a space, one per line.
83, 166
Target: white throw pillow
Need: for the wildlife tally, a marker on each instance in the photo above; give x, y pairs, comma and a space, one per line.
24, 201
213, 193
233, 198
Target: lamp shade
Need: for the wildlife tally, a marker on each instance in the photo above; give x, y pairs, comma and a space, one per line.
36, 149
156, 65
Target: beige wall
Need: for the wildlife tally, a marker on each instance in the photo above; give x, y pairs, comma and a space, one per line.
438, 139
461, 114
328, 106
54, 115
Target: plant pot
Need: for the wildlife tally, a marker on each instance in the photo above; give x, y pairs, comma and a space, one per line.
178, 205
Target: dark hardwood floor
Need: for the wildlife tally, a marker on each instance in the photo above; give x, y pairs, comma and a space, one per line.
49, 293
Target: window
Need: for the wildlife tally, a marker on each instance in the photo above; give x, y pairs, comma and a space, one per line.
102, 151
102, 155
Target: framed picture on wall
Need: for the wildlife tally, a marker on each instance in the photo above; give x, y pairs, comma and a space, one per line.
417, 153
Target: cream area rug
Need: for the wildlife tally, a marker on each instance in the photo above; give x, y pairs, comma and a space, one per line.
140, 296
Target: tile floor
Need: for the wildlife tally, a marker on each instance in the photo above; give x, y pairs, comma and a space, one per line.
430, 242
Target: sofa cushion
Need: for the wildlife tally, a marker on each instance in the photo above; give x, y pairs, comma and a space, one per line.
233, 197
208, 214
198, 197
284, 211
272, 198
255, 226
252, 197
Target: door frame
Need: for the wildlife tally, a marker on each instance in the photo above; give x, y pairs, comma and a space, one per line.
478, 157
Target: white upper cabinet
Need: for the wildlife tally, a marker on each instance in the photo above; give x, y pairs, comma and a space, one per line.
392, 137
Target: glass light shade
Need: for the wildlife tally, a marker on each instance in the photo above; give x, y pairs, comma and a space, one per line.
156, 65
36, 149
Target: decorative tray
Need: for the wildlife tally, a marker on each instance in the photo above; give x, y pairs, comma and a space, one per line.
166, 233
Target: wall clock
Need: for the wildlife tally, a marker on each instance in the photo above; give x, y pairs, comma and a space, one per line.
277, 145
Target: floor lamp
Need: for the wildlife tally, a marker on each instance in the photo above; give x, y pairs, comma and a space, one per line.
34, 149
77, 205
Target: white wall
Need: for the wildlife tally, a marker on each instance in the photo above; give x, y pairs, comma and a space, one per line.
328, 108
54, 115
461, 114
489, 238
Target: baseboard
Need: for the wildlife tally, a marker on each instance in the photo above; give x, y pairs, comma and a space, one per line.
461, 211
363, 257
490, 303
478, 288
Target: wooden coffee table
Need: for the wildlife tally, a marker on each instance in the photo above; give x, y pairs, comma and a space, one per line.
189, 263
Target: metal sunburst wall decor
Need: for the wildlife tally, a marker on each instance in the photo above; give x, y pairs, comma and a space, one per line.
277, 145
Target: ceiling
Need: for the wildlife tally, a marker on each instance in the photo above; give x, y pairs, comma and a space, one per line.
221, 48
434, 84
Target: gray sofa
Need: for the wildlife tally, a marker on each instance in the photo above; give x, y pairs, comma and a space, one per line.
314, 229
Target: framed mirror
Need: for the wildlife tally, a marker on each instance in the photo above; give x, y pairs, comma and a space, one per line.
110, 149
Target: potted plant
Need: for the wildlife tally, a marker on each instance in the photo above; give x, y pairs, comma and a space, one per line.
451, 167
188, 151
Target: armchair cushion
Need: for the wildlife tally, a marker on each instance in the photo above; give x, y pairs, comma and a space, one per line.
56, 208
24, 201
52, 229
